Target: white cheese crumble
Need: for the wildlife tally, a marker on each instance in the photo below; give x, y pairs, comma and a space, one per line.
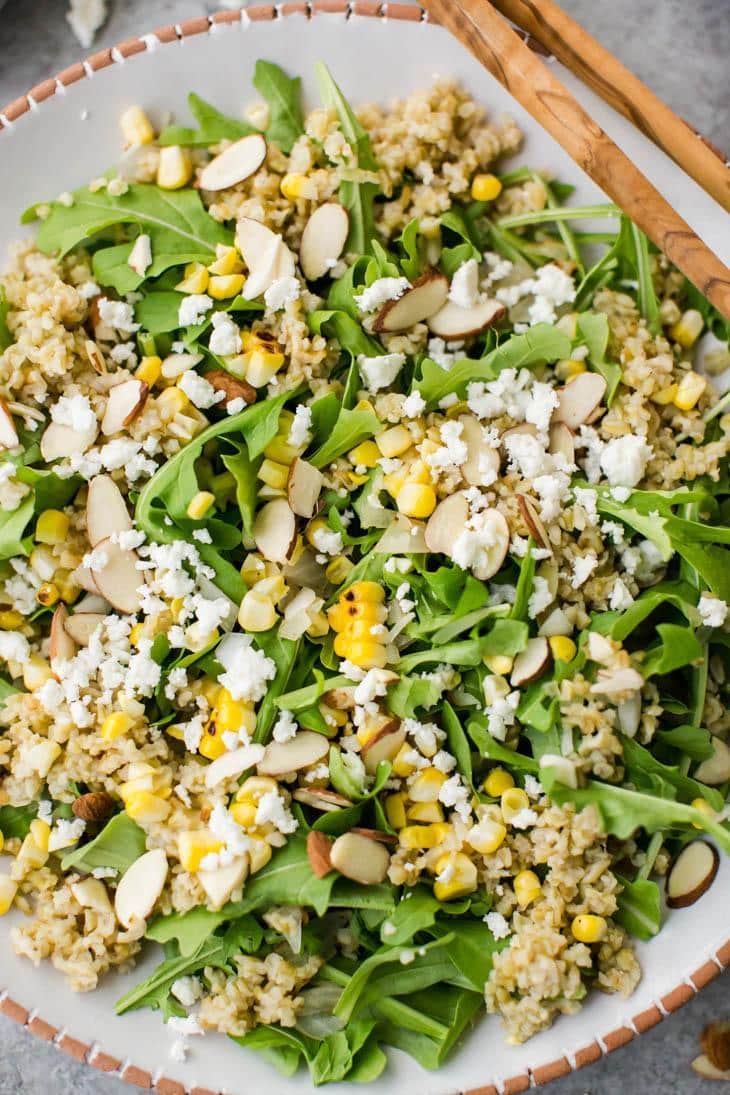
623, 460
74, 411
713, 612
413, 405
380, 292
193, 309
583, 566
14, 647
199, 391
140, 257
453, 453
464, 288
247, 670
117, 314
300, 429
225, 338
380, 371
620, 598
497, 925
272, 809
540, 597
327, 541
281, 292
285, 727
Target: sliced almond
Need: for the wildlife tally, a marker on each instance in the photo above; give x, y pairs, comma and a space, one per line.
531, 662
629, 714
237, 162
140, 887
612, 682
266, 255
176, 365
716, 769
562, 443
275, 531
453, 322
92, 603
383, 745
359, 858
91, 893
62, 646
446, 524
323, 240
533, 521
95, 356
125, 402
556, 623
401, 537
82, 625
494, 558
319, 847
220, 883
715, 1040
691, 874
579, 399
341, 699
376, 834
59, 441
425, 297
8, 433
320, 798
563, 767
232, 764
481, 466
231, 386
83, 578
303, 487
94, 806
301, 751
119, 580
106, 511
704, 1067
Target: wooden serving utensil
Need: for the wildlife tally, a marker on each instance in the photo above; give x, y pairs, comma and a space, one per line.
496, 45
587, 59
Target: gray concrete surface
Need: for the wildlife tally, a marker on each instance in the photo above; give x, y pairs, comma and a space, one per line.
681, 50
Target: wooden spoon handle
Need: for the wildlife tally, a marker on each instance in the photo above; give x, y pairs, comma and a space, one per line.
600, 70
495, 44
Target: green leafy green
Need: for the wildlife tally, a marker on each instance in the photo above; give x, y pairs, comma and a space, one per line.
15, 820
283, 96
593, 329
118, 845
213, 126
639, 908
6, 338
351, 427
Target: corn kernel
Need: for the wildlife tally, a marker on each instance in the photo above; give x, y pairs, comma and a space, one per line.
257, 612
394, 482
568, 368
193, 847
704, 807
364, 455
262, 366
2, 840
364, 591
147, 807
338, 569
513, 802
47, 594
31, 855
425, 787
485, 188
244, 814
40, 831
275, 475
41, 757
253, 568
227, 261
149, 370
589, 929
691, 387
367, 655
666, 395
36, 672
211, 744
395, 810
563, 649
279, 450
401, 766
224, 286
419, 836
487, 836
416, 500
498, 781
196, 279
52, 527
274, 587
425, 812
318, 626
10, 619
259, 854
175, 168
394, 442
8, 890
527, 888
688, 329
255, 787
136, 126
171, 402
499, 664
200, 504
460, 880
295, 185
231, 714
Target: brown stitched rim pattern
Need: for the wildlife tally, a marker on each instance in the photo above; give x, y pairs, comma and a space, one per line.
91, 1054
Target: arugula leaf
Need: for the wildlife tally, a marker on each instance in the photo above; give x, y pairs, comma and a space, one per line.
118, 845
677, 646
283, 96
453, 1008
490, 748
692, 741
648, 303
410, 693
49, 491
639, 908
384, 956
6, 338
593, 329
471, 949
411, 242
452, 258
213, 126
351, 427
6, 689
243, 469
283, 653
639, 760
340, 821
333, 323
679, 594
12, 530
466, 652
416, 911
15, 820
525, 582
457, 741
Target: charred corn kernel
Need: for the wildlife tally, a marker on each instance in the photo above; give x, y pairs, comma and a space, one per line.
425, 812
527, 888
196, 279
211, 744
175, 168
401, 766
10, 619
337, 569
422, 837
31, 855
368, 655
257, 612
175, 731
244, 814
364, 591
704, 807
295, 185
40, 831
276, 475
426, 785
568, 368
146, 807
394, 442
343, 617
318, 626
416, 500
227, 261
457, 876
568, 324
395, 810
255, 787
136, 126
485, 188
8, 890
115, 725
259, 854
666, 395
199, 505
688, 329
587, 928
497, 782
36, 672
262, 366
691, 387
364, 455
171, 402
149, 370
47, 594
513, 802
487, 836
52, 527
563, 648
193, 847
499, 664
224, 286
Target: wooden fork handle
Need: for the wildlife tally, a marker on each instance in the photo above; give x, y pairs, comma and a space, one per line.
496, 45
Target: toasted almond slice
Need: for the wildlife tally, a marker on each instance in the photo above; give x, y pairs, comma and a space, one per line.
106, 510
275, 531
303, 487
342, 699
95, 356
383, 745
446, 524
704, 1067
301, 751
175, 365
8, 433
453, 322
497, 553
231, 386
266, 255
715, 1040
82, 625
612, 682
427, 294
118, 580
481, 466
716, 769
556, 623
629, 714
83, 577
561, 442
237, 162
232, 764
323, 240
691, 874
140, 887
321, 798
62, 645
531, 663
91, 893
125, 402
533, 521
92, 602
579, 399
376, 834
60, 441
220, 883
359, 858
401, 537
319, 846
563, 767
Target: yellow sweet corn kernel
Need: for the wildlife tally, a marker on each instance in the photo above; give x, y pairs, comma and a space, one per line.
416, 500
2, 840
422, 837
136, 126
563, 648
279, 449
52, 527
690, 388
224, 286
337, 569
211, 744
146, 806
318, 626
487, 836
47, 594
364, 455
498, 781
175, 168
194, 846
512, 802
367, 655
170, 403
257, 612
485, 188
149, 369
175, 731
196, 279
296, 185
259, 854
527, 888
394, 442
273, 474
262, 366
393, 482
10, 620
227, 261
40, 831
364, 591
426, 785
253, 568
244, 814
568, 368
704, 807
31, 855
688, 329
8, 890
344, 616
459, 876
199, 505
255, 787
230, 714
499, 664
587, 928
401, 766
366, 630
395, 810
568, 324
425, 812
666, 395
274, 587
36, 672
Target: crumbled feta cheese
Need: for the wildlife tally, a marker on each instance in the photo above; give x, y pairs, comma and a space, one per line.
471, 550
413, 405
235, 406
45, 811
620, 598
713, 611
65, 833
623, 460
124, 354
440, 355
380, 371
497, 925
453, 453
285, 727
88, 290
281, 292
533, 787
524, 819
225, 338
272, 810
14, 647
187, 990
464, 288
501, 714
454, 794
199, 391
380, 292
140, 257
300, 429
193, 309
583, 567
247, 670
74, 411
327, 541
540, 597
117, 314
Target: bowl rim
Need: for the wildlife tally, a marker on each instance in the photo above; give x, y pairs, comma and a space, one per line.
90, 1053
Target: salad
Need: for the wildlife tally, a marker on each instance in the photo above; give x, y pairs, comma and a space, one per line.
364, 582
